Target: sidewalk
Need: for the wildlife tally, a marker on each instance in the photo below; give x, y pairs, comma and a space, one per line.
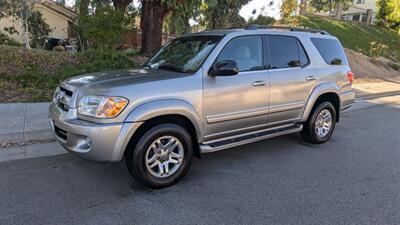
25, 129
22, 123
376, 89
25, 132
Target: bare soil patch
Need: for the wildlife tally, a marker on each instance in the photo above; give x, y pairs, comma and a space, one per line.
371, 68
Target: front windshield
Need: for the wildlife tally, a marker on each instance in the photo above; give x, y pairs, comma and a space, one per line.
184, 55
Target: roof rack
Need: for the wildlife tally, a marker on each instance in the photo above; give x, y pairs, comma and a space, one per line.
315, 31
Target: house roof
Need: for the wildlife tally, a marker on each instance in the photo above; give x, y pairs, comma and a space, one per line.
60, 9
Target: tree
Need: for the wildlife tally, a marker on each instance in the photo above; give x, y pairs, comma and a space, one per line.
121, 4
20, 10
303, 7
388, 14
104, 28
222, 13
153, 13
82, 7
288, 7
61, 2
38, 28
178, 21
331, 6
262, 20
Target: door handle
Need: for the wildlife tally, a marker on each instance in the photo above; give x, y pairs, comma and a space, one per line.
258, 83
310, 78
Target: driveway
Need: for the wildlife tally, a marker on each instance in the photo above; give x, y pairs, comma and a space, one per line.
353, 179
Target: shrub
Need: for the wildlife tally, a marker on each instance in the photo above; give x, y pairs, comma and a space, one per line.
6, 40
30, 76
106, 59
104, 28
38, 29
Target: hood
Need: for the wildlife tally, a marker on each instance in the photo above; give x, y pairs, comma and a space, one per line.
117, 78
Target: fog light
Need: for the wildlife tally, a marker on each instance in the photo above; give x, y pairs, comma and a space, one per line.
88, 142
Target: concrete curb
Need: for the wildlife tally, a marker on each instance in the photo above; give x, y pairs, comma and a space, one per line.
24, 122
31, 151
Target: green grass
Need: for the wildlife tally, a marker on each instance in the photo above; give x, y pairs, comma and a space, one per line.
369, 40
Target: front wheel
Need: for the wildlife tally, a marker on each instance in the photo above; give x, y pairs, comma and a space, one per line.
320, 125
162, 156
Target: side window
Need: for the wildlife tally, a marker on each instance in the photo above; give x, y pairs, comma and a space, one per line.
286, 51
302, 54
330, 50
245, 51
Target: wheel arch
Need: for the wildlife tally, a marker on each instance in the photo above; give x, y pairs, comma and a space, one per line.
165, 111
324, 92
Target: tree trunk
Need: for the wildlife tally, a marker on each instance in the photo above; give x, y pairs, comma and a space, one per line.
25, 28
339, 9
151, 21
303, 7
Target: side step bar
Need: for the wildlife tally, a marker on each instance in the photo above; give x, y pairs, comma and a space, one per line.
247, 138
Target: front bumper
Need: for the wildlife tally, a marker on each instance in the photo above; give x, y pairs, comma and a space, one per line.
347, 99
108, 141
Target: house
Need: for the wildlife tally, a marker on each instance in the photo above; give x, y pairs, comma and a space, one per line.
59, 17
361, 11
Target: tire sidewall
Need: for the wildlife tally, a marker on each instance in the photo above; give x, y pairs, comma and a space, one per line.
320, 107
139, 169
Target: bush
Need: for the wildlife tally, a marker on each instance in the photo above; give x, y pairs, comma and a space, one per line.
104, 28
31, 76
38, 29
106, 59
6, 40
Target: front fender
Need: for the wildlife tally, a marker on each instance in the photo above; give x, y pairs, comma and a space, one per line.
318, 91
157, 108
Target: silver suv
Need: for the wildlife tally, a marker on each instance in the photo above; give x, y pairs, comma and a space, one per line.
205, 92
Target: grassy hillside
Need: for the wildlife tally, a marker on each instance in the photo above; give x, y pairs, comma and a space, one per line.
369, 40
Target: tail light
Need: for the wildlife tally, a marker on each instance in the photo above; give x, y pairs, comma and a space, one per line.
350, 76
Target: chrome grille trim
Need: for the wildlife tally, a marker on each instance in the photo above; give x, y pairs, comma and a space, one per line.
63, 98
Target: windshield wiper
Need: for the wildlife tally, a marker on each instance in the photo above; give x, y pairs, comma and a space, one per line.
168, 66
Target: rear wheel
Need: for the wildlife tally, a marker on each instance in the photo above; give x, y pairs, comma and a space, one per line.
162, 156
320, 125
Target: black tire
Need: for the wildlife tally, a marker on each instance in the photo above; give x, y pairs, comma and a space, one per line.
136, 157
309, 133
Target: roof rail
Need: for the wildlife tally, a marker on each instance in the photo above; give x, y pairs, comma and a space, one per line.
315, 31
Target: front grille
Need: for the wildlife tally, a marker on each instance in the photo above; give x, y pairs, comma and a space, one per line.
67, 92
63, 98
62, 134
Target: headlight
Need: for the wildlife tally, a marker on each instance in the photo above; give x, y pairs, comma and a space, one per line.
101, 106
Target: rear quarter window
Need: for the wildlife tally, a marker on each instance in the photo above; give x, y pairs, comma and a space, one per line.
330, 50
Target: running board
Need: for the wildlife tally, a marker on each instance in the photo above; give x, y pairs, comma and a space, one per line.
224, 143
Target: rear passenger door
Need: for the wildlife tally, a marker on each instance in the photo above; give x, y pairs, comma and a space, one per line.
291, 78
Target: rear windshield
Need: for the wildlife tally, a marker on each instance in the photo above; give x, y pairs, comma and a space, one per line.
330, 50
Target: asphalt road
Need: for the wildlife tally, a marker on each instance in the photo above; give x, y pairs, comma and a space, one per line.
353, 179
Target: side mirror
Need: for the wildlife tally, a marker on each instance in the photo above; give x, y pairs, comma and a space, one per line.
294, 63
224, 68
336, 61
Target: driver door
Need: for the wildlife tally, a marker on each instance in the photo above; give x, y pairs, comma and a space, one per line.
238, 103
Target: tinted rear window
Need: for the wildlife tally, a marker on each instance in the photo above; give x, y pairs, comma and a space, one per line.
330, 50
286, 51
